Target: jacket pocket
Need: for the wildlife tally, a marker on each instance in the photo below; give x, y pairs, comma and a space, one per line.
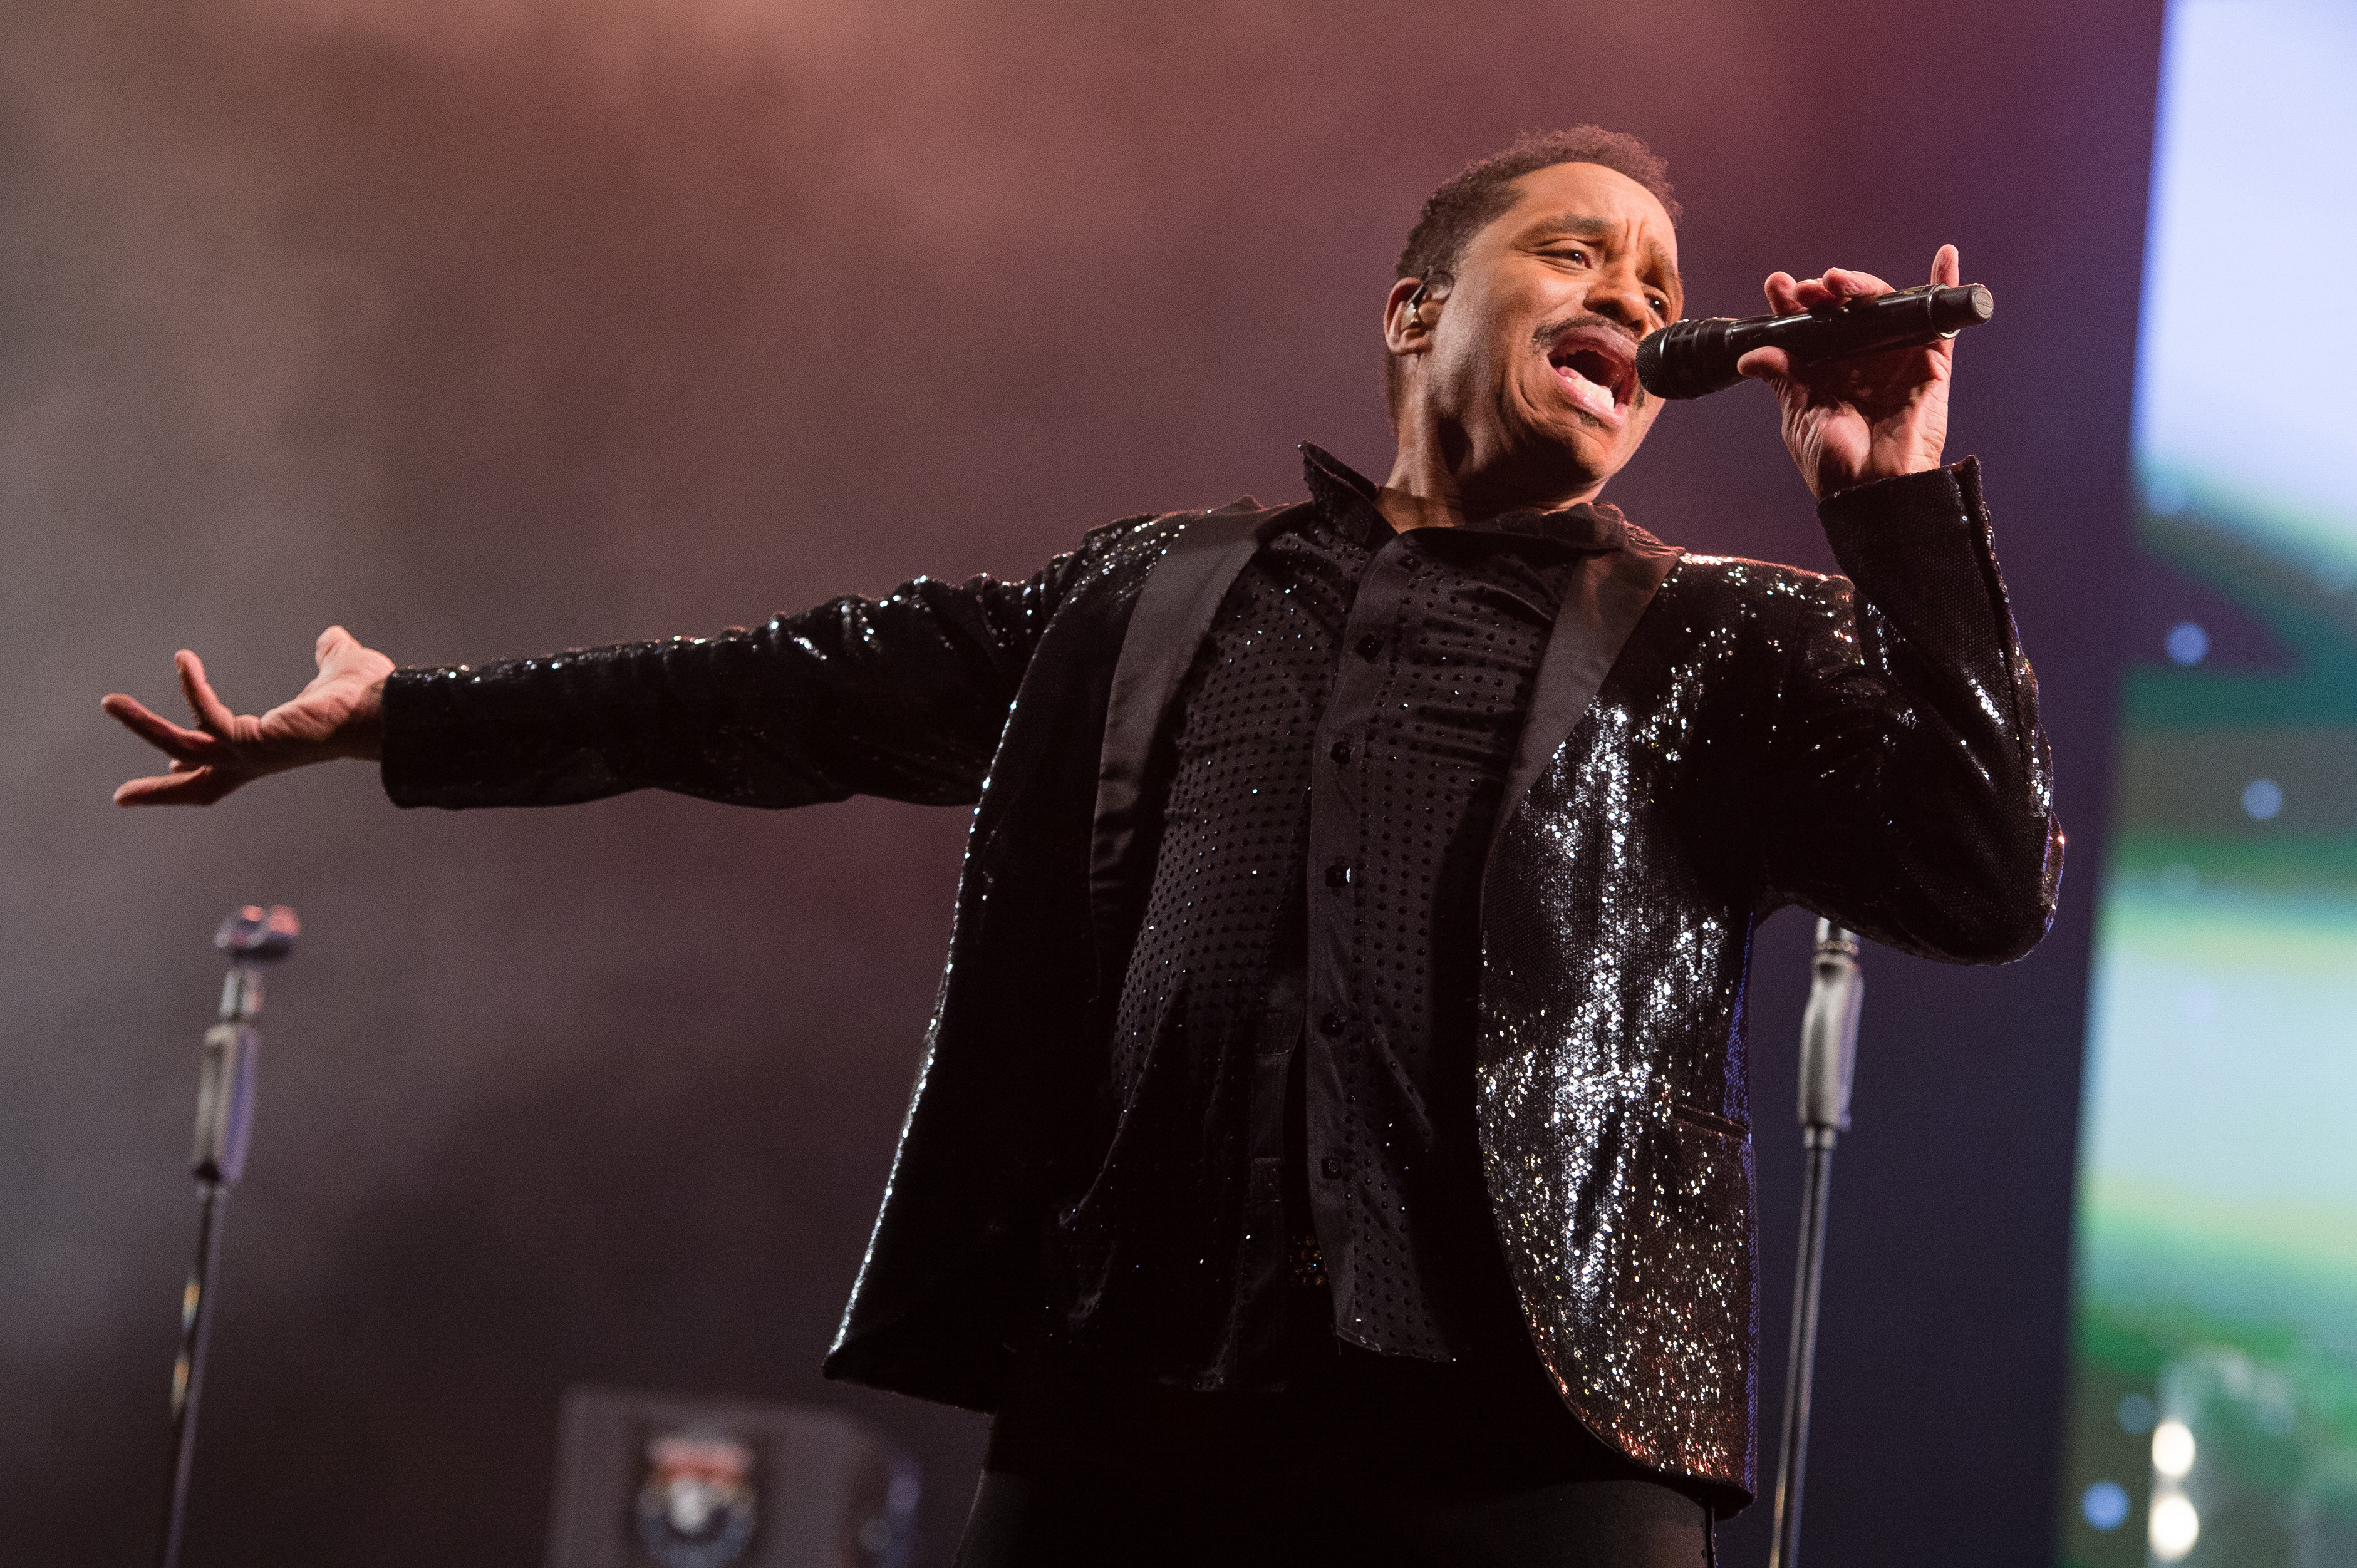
1710, 1122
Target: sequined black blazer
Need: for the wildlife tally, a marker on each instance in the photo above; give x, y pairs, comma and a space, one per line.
1711, 738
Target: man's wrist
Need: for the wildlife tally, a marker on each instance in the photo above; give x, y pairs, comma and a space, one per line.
1919, 463
362, 730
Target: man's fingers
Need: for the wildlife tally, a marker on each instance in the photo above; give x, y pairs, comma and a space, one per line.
1844, 284
1765, 365
1787, 294
331, 641
212, 715
154, 727
1947, 267
143, 791
195, 787
191, 782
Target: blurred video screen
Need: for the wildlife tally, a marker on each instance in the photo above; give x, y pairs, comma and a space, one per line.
2213, 1410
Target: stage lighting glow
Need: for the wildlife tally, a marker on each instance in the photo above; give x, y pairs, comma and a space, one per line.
2216, 1245
2105, 1504
2175, 1528
2172, 1450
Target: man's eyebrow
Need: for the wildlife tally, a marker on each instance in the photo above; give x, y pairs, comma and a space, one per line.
1580, 226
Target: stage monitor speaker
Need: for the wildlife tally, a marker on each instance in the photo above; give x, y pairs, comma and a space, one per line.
647, 1480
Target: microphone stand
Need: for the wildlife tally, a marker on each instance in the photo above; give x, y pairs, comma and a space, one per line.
1828, 1059
252, 937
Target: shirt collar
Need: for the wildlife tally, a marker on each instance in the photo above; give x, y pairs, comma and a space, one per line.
1347, 498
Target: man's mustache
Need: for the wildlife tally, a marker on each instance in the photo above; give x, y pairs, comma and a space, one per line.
1543, 338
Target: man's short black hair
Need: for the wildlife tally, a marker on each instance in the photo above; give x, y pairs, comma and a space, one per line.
1477, 192
1480, 190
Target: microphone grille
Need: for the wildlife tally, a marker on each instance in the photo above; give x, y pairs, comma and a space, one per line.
1649, 363
1687, 358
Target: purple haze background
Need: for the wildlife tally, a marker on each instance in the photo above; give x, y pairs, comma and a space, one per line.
495, 327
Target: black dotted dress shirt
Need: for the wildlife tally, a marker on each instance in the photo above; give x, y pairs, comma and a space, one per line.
1295, 1158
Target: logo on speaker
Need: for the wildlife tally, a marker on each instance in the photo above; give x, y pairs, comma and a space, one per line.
697, 1505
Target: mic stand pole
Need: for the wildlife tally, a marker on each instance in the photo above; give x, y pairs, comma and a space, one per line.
1828, 1059
252, 937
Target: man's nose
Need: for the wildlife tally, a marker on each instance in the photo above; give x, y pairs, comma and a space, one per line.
1620, 295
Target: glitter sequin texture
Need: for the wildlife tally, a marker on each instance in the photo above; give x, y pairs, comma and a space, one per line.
1764, 737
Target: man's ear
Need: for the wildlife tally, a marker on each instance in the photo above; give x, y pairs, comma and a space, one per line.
1410, 310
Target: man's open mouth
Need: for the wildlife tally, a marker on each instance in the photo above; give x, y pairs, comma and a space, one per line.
1598, 367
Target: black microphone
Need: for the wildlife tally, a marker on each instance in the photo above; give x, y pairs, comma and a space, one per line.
1689, 358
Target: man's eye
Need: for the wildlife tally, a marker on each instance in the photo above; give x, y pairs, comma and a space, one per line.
1660, 308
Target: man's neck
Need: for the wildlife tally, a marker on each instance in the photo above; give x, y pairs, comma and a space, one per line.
1424, 491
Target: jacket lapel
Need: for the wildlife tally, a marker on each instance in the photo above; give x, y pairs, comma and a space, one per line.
1167, 626
1599, 610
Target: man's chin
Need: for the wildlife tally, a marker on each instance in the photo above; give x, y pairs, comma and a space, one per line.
1574, 455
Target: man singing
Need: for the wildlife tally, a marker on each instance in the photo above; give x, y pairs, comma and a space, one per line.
1332, 1143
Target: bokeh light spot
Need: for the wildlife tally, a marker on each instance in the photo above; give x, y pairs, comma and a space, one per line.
2174, 1528
2188, 643
2105, 1504
2262, 798
2172, 1449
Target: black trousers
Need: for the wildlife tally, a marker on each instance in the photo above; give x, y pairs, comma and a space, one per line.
1378, 1463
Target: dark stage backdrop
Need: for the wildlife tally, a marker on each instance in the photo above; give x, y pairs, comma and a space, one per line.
493, 326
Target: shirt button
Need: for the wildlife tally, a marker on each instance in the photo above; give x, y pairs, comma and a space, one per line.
1331, 1166
1370, 645
1335, 1021
1339, 873
1339, 751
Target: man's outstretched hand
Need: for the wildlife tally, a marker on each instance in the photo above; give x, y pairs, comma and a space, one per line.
335, 716
1852, 420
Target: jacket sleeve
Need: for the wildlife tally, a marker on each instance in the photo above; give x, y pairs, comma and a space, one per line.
903, 696
1911, 789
